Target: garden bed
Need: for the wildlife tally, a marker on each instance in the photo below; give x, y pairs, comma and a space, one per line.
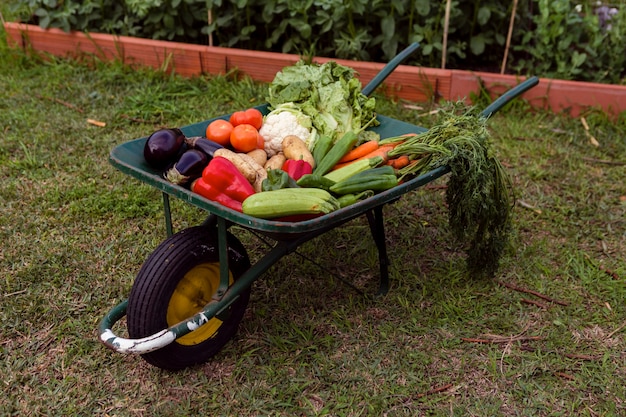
417, 84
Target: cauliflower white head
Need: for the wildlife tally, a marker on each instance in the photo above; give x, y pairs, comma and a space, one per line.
282, 122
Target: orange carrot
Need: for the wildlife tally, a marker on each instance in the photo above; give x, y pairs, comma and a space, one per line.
399, 162
381, 151
341, 165
361, 150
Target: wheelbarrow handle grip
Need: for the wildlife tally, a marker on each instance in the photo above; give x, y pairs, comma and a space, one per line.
388, 68
509, 95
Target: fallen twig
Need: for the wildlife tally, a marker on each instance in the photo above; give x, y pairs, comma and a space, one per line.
474, 340
620, 328
10, 294
435, 390
564, 375
496, 338
409, 400
96, 123
488, 339
64, 103
592, 139
524, 204
535, 293
412, 107
533, 302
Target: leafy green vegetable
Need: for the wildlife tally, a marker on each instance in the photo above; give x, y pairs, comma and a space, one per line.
478, 192
329, 94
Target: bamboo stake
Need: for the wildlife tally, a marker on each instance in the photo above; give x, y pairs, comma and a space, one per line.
446, 26
210, 20
508, 37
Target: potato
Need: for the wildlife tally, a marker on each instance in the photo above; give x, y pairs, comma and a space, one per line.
295, 148
260, 172
275, 162
259, 155
242, 165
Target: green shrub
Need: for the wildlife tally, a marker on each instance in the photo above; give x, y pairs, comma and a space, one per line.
551, 38
362, 29
174, 20
568, 42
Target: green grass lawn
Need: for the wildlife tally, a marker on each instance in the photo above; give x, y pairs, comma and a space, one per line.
546, 337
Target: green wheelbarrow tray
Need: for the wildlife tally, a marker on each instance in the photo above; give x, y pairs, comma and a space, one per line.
128, 158
288, 236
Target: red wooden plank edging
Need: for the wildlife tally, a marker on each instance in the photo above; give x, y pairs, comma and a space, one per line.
411, 83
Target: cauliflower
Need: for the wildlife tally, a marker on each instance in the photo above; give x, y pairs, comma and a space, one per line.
283, 121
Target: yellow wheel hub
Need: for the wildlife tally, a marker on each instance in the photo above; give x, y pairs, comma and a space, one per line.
193, 292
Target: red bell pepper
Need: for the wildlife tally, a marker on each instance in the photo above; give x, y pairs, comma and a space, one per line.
200, 186
223, 183
296, 168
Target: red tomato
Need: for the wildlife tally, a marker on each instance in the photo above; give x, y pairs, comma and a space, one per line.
250, 116
219, 131
244, 138
260, 142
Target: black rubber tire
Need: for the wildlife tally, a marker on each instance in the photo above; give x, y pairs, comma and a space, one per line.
156, 282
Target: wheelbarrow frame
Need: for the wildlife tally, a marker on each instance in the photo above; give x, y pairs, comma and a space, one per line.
288, 236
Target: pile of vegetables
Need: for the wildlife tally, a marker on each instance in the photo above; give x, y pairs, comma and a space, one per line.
255, 183
311, 155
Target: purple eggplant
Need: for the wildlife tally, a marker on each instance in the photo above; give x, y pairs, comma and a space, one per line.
164, 147
188, 167
203, 144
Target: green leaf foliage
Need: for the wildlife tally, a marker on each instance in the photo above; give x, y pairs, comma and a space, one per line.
563, 39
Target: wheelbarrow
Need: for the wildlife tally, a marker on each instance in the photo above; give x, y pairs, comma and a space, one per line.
191, 293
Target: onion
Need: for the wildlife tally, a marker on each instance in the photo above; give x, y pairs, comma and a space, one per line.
163, 147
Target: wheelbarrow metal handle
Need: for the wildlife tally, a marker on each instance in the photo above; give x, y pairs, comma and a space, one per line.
388, 68
509, 95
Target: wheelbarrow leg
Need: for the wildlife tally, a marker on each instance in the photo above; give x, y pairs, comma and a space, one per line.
377, 227
168, 215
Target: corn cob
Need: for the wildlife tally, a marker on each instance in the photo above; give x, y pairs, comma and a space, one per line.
288, 202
